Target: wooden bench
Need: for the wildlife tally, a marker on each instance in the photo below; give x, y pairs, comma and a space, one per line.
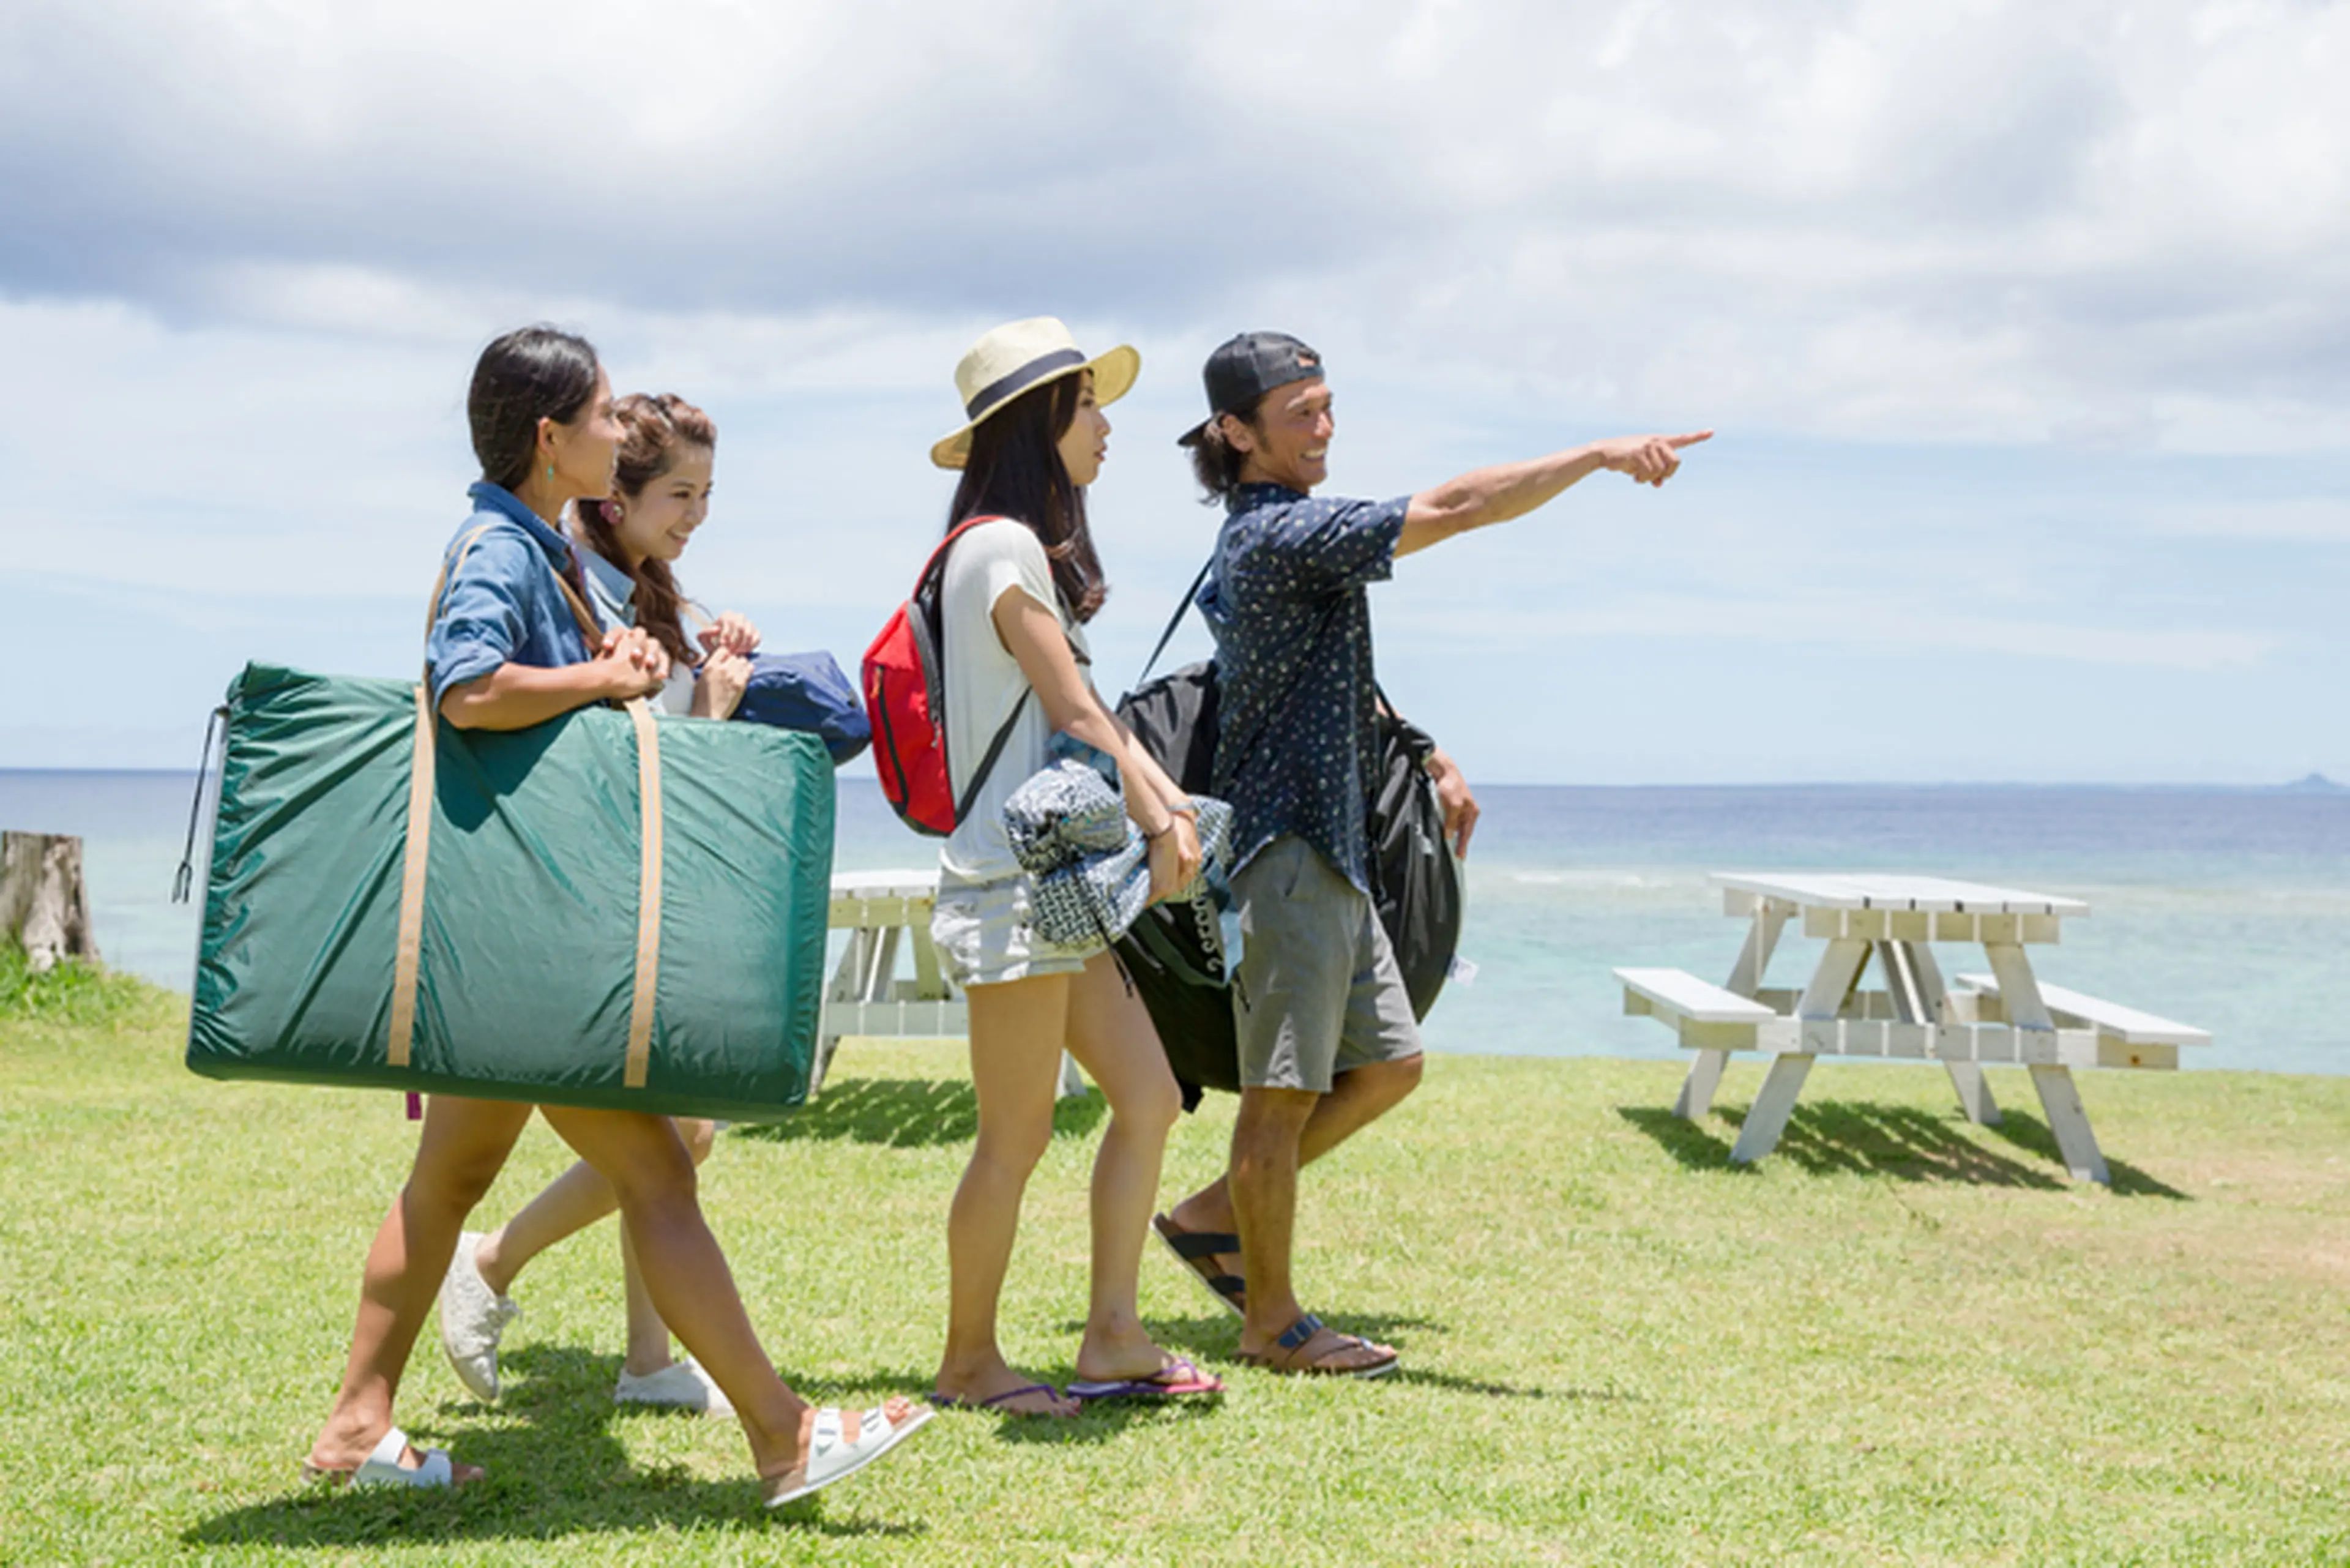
1706, 1016
2125, 1037
1708, 1019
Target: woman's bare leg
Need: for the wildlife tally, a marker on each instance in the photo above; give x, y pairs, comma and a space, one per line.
647, 1164
1112, 1036
648, 1338
1017, 1031
569, 1204
463, 1146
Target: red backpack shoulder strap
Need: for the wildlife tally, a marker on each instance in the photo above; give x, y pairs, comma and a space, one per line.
937, 556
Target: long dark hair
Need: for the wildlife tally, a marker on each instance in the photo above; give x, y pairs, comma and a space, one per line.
531, 374
1015, 471
653, 430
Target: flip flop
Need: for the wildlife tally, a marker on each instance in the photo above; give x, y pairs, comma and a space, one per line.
831, 1457
383, 1468
954, 1402
1178, 1379
1297, 1335
1197, 1251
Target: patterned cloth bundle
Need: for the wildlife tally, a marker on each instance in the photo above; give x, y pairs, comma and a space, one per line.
1089, 864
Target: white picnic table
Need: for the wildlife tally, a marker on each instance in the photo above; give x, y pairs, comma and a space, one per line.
2007, 1016
887, 915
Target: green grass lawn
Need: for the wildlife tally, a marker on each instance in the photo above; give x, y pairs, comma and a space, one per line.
1901, 1339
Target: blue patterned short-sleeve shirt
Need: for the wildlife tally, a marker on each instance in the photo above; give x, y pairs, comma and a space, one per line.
1297, 746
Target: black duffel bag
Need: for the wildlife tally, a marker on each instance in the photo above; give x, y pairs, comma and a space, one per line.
1171, 954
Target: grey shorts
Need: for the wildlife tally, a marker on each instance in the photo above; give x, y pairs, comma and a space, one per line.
1318, 992
982, 933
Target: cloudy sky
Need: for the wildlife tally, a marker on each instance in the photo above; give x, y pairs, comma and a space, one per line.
2026, 329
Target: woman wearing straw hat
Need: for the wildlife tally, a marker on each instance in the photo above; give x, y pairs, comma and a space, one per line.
1017, 593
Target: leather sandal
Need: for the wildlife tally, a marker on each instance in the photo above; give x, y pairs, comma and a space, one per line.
1284, 1357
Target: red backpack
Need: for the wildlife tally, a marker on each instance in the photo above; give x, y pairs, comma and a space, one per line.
905, 696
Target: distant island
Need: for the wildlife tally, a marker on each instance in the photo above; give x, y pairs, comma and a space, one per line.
2314, 784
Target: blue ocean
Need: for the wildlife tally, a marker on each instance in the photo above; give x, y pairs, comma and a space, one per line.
2229, 909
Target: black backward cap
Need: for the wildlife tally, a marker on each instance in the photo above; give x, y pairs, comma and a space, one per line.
1244, 368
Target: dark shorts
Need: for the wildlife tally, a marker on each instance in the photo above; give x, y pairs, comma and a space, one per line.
1318, 992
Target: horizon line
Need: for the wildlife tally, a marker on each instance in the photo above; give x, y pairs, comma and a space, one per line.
2313, 784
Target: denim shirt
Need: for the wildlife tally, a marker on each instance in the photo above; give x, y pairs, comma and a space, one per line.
1298, 744
503, 604
611, 592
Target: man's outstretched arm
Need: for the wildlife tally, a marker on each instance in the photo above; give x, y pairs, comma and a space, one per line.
1508, 490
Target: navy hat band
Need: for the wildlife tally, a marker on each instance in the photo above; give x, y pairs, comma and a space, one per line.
1020, 380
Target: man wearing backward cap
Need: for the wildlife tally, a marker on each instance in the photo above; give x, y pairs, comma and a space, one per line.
1327, 1041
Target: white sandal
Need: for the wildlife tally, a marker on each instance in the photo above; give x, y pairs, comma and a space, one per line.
383, 1468
831, 1457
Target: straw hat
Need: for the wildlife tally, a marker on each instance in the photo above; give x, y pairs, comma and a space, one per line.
1022, 354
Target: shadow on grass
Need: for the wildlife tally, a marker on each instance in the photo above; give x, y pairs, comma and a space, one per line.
906, 1113
1823, 1137
1689, 1142
1422, 1378
1097, 1422
2030, 1133
1214, 1341
1828, 1135
556, 1472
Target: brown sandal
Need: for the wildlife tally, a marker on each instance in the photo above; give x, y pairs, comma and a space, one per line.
1298, 1336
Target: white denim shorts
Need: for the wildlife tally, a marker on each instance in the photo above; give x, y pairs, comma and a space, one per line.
983, 934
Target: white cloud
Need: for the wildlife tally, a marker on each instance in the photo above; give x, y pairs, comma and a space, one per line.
1866, 218
2046, 302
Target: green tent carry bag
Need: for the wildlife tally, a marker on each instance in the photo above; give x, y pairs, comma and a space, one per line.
605, 910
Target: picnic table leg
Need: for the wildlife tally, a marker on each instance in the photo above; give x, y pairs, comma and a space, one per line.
1916, 982
1766, 1118
1762, 940
929, 976
847, 985
1823, 998
883, 969
1745, 978
1697, 1089
2068, 1119
1974, 1091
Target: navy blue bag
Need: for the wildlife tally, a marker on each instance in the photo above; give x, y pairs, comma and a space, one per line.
808, 691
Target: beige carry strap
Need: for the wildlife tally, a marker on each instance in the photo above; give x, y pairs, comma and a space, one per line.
649, 891
412, 885
448, 565
589, 627
418, 853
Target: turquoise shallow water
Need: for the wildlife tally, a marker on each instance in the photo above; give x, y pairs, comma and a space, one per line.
2226, 909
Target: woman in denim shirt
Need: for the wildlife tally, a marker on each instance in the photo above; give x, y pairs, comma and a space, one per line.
506, 652
660, 498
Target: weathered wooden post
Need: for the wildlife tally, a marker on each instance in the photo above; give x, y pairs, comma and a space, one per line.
44, 906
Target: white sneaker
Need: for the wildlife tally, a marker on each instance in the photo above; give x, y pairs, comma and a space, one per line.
683, 1383
472, 1315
